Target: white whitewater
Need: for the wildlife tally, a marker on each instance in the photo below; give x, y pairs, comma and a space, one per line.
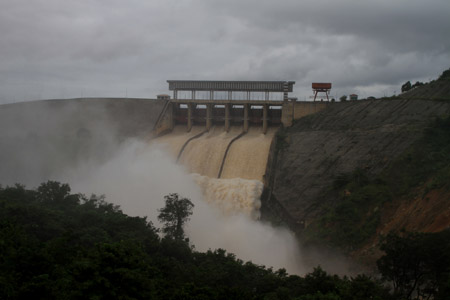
232, 196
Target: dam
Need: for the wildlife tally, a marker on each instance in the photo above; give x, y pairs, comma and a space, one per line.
223, 132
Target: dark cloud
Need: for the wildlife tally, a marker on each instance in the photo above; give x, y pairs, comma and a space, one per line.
53, 49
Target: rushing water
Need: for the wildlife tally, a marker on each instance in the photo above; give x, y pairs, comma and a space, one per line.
138, 176
232, 196
239, 188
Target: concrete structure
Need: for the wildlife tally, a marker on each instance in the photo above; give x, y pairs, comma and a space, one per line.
231, 111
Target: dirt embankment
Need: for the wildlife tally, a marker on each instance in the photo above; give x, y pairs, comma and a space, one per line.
429, 212
422, 212
346, 136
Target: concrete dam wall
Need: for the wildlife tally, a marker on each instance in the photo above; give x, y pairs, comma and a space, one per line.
227, 159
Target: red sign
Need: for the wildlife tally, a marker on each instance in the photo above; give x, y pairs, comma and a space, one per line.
321, 85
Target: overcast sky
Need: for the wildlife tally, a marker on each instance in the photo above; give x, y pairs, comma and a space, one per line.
117, 48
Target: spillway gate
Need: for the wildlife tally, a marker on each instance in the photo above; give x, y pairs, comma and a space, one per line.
227, 113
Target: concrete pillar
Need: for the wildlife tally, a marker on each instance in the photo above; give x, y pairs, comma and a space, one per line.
265, 117
209, 116
287, 114
246, 108
190, 116
227, 117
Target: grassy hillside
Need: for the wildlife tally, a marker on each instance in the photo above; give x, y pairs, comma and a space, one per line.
352, 173
438, 89
423, 167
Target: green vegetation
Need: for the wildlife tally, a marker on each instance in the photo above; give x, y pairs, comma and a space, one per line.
174, 215
417, 264
445, 75
426, 162
436, 90
343, 98
407, 86
355, 217
58, 245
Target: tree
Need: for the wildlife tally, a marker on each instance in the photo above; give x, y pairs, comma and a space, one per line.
406, 86
402, 264
417, 84
53, 191
417, 264
343, 98
174, 215
445, 75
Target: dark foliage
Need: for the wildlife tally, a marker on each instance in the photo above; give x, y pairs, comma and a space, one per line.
445, 75
417, 264
343, 98
406, 86
57, 245
174, 215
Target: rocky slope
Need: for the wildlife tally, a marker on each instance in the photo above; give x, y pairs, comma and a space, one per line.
367, 135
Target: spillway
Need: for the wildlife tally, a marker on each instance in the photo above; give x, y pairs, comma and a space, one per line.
247, 157
228, 166
178, 137
204, 155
